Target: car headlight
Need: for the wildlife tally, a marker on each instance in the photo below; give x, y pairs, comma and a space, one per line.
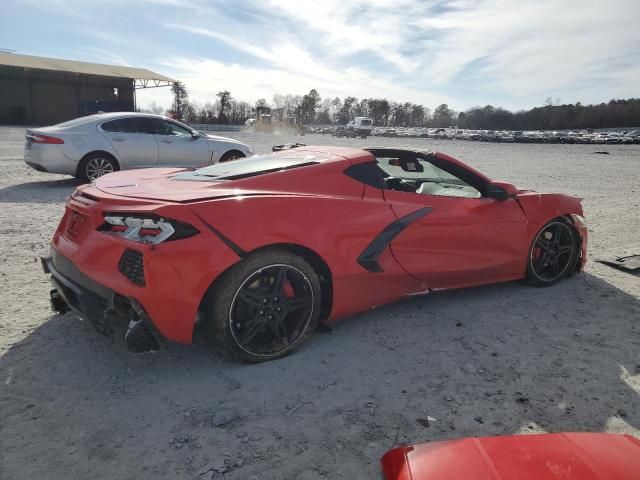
250, 150
146, 228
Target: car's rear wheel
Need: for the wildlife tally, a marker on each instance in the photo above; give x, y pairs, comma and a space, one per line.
232, 155
266, 306
96, 165
553, 254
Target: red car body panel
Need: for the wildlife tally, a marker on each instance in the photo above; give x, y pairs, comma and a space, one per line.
462, 241
540, 207
561, 456
318, 208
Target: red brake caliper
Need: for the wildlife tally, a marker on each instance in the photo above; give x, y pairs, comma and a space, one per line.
287, 290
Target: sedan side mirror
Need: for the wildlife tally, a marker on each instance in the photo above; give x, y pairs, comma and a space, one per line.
195, 135
501, 191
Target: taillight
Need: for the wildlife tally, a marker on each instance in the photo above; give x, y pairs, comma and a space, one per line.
39, 138
146, 228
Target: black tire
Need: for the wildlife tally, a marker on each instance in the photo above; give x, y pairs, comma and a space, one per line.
232, 155
553, 253
243, 313
96, 164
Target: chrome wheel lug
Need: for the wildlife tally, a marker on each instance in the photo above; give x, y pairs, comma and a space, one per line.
261, 312
278, 309
269, 317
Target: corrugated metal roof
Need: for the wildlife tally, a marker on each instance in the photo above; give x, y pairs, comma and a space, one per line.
45, 63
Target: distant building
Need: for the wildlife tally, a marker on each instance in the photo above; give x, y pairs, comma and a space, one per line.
44, 91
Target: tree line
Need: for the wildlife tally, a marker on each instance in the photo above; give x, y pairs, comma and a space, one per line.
312, 109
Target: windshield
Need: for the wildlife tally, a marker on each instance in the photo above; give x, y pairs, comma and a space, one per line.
423, 177
424, 171
259, 165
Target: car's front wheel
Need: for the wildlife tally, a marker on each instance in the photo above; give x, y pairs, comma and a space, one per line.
232, 155
265, 306
553, 254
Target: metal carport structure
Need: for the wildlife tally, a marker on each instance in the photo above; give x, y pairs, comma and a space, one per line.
42, 90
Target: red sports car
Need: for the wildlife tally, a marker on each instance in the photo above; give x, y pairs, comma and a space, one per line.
554, 456
255, 253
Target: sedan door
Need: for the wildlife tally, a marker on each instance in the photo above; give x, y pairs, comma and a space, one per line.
133, 140
178, 147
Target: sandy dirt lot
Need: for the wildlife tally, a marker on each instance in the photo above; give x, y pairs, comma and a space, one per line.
486, 361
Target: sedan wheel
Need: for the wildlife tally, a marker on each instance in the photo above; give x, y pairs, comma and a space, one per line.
232, 155
553, 254
95, 166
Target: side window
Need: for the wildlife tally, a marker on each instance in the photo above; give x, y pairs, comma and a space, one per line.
165, 127
142, 125
417, 175
110, 126
128, 125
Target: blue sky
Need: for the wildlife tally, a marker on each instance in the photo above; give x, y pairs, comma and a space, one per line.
465, 53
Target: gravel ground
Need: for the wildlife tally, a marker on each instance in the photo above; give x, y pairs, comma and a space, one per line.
485, 361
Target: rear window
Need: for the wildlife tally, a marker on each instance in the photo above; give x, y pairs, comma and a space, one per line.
365, 123
259, 165
75, 122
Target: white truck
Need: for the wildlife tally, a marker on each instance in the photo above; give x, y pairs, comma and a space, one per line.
359, 127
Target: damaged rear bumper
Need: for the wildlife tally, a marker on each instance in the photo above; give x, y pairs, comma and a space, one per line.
110, 313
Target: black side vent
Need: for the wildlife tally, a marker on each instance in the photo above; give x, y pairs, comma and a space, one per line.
132, 267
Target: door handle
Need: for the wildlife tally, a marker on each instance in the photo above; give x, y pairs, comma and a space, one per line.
166, 141
118, 139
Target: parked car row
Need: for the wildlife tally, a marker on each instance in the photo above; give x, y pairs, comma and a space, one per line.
92, 146
358, 127
508, 136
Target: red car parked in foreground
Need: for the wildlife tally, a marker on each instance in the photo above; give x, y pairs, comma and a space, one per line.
258, 251
559, 456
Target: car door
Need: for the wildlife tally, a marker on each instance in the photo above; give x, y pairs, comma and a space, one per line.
133, 140
178, 147
452, 237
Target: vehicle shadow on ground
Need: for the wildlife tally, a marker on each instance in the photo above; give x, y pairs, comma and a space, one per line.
44, 191
484, 361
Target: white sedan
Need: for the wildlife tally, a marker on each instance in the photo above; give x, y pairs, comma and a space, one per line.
92, 146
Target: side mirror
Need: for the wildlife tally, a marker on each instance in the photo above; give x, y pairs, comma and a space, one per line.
195, 135
501, 191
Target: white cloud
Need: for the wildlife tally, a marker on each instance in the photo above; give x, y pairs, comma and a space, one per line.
205, 77
526, 48
519, 52
513, 53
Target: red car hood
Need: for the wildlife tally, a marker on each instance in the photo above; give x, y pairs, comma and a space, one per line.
566, 456
158, 184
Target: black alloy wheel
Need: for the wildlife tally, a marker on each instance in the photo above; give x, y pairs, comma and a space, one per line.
271, 310
553, 254
265, 306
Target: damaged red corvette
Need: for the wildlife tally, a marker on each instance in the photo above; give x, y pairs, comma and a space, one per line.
253, 254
